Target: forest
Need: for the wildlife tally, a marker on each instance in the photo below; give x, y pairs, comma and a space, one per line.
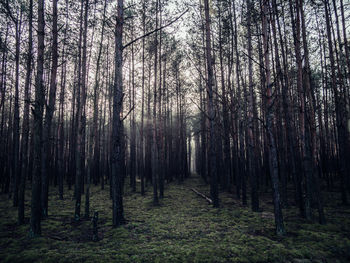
175, 131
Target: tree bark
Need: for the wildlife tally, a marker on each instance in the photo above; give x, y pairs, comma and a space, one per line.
273, 163
35, 226
311, 129
251, 143
80, 152
142, 166
154, 128
117, 125
25, 125
16, 119
339, 111
48, 116
214, 191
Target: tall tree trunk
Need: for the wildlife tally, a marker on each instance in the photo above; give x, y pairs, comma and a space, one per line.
35, 226
77, 124
344, 88
311, 129
340, 111
132, 120
61, 133
306, 162
16, 119
279, 82
251, 143
80, 152
142, 166
25, 125
226, 136
214, 191
202, 88
273, 162
95, 134
117, 125
3, 138
154, 128
346, 46
160, 141
288, 118
240, 175
48, 117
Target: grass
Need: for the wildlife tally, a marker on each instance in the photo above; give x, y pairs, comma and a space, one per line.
184, 228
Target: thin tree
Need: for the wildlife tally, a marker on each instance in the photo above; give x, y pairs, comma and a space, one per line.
155, 168
214, 191
50, 108
25, 125
273, 163
251, 142
35, 226
80, 160
117, 124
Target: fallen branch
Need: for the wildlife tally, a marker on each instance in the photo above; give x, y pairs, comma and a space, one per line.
203, 195
59, 238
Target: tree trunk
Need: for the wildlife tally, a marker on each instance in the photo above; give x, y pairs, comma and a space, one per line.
311, 129
340, 112
273, 163
251, 143
80, 153
35, 226
214, 191
154, 128
226, 135
132, 121
142, 166
16, 119
117, 125
48, 117
25, 125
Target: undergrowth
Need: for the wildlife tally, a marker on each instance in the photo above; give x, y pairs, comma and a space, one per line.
183, 228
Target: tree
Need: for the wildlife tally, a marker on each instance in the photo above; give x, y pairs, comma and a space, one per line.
214, 191
80, 151
25, 124
117, 124
50, 109
273, 163
35, 226
251, 142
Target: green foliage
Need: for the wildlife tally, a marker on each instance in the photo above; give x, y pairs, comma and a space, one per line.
184, 228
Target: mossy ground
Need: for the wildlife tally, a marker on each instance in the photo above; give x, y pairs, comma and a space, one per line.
184, 228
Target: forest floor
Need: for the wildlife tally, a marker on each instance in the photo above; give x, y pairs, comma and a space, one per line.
184, 228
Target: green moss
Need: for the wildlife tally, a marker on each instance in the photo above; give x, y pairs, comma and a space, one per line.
184, 228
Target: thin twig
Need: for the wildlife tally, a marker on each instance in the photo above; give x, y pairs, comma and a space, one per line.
155, 30
128, 113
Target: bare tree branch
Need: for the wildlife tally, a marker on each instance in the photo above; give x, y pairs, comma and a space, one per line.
155, 30
128, 113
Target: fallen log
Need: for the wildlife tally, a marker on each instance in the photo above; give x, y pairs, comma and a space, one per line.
203, 195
